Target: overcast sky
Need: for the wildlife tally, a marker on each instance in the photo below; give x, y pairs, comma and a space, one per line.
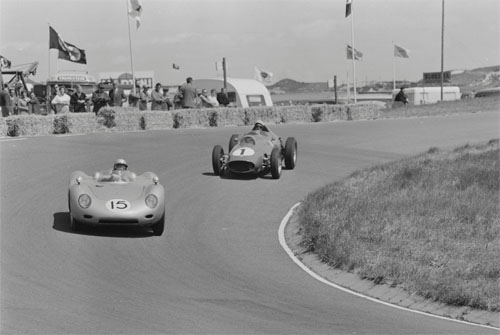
304, 40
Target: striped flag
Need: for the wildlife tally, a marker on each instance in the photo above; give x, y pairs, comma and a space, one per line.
348, 8
358, 55
67, 50
263, 76
136, 11
401, 52
4, 63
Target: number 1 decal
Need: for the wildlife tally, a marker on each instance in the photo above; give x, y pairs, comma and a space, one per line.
243, 152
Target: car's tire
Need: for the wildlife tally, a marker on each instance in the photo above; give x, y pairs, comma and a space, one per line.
276, 164
74, 224
217, 154
233, 141
290, 153
159, 226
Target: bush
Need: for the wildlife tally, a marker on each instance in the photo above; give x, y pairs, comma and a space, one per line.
317, 114
13, 128
213, 119
108, 117
61, 125
142, 123
178, 121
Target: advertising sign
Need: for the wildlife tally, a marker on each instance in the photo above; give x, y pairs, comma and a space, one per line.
125, 80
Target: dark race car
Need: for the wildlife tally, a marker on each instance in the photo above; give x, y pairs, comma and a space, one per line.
116, 197
259, 151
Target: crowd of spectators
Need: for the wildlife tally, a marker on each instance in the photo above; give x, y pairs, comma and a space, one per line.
19, 101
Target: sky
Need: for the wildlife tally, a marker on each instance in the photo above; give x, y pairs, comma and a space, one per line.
303, 40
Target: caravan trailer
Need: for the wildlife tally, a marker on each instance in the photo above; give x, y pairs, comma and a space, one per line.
429, 95
241, 92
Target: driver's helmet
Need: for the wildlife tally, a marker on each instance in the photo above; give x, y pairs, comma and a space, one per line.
120, 164
258, 125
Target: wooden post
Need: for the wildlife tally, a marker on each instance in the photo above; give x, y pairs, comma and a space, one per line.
224, 71
335, 88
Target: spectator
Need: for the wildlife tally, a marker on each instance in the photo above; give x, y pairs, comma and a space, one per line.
223, 98
212, 98
22, 103
116, 95
78, 100
401, 97
188, 94
144, 98
133, 97
34, 104
61, 101
157, 98
99, 98
197, 99
5, 102
167, 104
178, 98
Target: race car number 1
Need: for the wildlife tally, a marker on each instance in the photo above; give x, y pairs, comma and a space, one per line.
117, 205
243, 152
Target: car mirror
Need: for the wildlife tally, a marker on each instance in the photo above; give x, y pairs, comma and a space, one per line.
155, 180
79, 180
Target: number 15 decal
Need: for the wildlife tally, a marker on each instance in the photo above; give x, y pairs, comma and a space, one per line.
117, 205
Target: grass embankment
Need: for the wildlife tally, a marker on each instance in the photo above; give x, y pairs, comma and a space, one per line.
429, 224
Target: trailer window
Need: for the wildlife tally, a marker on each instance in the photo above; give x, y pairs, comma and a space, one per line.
256, 100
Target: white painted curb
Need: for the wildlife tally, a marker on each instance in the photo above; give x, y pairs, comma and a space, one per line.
281, 237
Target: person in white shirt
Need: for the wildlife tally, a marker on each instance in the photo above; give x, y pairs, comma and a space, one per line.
61, 101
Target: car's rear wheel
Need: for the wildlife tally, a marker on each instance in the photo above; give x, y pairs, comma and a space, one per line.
290, 153
217, 154
159, 226
276, 165
233, 141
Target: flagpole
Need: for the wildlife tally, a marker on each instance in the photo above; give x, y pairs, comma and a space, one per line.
130, 48
393, 67
442, 49
353, 56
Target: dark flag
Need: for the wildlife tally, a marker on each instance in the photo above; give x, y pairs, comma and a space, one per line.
175, 66
348, 8
67, 50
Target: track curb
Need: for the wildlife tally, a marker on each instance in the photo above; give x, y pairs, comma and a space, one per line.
289, 238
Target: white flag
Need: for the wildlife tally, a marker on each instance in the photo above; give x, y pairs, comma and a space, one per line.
136, 11
263, 76
401, 52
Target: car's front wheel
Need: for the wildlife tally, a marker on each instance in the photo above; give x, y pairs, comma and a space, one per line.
276, 165
74, 224
290, 153
217, 154
159, 226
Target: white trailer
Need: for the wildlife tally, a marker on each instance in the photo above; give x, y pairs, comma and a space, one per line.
241, 92
429, 95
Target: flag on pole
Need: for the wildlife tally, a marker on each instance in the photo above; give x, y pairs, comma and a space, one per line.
67, 50
175, 66
4, 63
263, 76
348, 8
401, 52
357, 54
136, 11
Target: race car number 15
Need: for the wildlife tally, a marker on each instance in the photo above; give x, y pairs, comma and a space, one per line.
117, 205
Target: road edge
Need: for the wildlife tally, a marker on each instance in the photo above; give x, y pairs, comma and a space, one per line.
289, 239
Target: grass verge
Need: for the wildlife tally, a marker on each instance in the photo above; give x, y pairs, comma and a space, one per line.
429, 224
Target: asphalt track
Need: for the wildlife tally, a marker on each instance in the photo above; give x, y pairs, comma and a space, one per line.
218, 268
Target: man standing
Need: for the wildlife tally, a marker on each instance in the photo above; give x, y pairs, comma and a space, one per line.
61, 101
222, 97
99, 98
401, 97
157, 99
117, 96
5, 103
188, 94
133, 97
78, 100
144, 98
